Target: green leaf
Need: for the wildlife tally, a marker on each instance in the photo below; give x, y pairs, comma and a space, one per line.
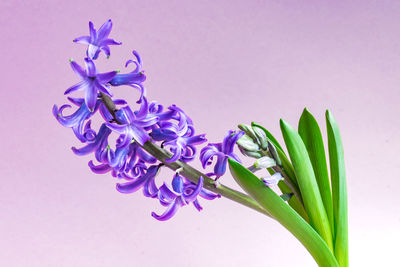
311, 135
307, 182
339, 190
283, 213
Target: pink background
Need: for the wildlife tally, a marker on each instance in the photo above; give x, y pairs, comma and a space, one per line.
223, 62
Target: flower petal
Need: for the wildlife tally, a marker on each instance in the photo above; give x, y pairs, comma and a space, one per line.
77, 87
169, 212
82, 40
104, 30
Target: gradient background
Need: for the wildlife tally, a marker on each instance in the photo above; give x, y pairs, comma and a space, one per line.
223, 62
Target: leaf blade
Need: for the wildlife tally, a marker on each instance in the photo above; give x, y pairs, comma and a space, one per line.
307, 182
283, 213
311, 135
339, 189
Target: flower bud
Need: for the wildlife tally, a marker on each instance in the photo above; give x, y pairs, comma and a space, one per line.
248, 130
247, 143
264, 162
272, 180
274, 153
262, 139
251, 154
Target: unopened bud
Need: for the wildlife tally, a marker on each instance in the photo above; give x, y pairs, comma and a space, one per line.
251, 154
272, 180
261, 138
247, 143
248, 130
264, 162
274, 153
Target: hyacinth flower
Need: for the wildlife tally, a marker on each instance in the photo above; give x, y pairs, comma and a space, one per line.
134, 78
308, 201
145, 181
92, 82
133, 124
76, 120
179, 138
97, 145
180, 195
222, 151
98, 40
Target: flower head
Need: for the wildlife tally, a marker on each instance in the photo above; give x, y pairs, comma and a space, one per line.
76, 120
134, 78
134, 124
98, 40
222, 151
91, 83
179, 137
181, 194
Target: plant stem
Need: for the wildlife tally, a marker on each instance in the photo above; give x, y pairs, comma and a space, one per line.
188, 171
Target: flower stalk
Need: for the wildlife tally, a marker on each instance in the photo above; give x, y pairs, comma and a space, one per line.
188, 171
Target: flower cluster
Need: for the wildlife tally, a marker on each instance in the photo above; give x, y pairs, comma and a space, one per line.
125, 157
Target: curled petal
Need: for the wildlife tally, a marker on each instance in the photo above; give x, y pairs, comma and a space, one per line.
165, 194
204, 193
193, 195
170, 211
197, 205
133, 186
99, 169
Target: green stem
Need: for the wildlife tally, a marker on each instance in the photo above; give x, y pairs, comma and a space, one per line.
193, 175
189, 172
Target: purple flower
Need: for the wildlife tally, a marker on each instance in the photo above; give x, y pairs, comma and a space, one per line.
222, 151
133, 124
134, 78
181, 194
147, 181
98, 40
98, 145
104, 111
77, 119
91, 83
178, 137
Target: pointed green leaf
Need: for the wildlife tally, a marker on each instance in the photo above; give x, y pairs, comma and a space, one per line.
307, 182
283, 213
311, 135
339, 190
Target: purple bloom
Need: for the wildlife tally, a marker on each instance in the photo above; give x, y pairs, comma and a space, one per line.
75, 120
104, 111
98, 40
91, 83
222, 151
147, 181
133, 124
179, 138
181, 194
134, 78
98, 145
